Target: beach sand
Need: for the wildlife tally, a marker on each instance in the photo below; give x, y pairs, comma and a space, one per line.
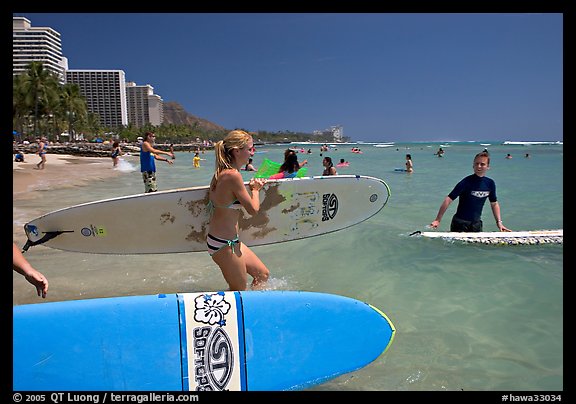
60, 170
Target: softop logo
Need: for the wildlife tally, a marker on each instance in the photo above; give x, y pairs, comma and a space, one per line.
213, 350
329, 206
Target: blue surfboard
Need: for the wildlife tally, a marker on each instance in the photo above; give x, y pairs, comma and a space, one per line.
237, 341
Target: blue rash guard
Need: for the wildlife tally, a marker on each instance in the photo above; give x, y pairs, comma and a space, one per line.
473, 191
147, 161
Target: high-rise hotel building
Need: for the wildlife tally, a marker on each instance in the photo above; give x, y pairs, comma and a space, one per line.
105, 94
36, 44
106, 91
144, 107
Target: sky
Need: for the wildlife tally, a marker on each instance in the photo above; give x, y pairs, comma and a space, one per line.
381, 76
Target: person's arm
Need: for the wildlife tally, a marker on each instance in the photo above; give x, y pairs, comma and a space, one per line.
250, 201
163, 159
447, 201
496, 212
148, 148
23, 267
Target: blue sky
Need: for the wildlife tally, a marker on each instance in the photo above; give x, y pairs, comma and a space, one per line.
382, 76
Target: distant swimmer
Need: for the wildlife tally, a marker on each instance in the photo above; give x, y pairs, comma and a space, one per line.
409, 165
440, 152
329, 168
249, 166
508, 156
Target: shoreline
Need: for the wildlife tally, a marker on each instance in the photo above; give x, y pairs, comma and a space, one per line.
60, 171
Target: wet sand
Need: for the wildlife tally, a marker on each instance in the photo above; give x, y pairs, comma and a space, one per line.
60, 170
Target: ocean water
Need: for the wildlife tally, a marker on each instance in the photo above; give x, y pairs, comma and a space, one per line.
468, 317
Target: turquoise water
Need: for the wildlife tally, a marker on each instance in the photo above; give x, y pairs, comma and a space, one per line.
468, 317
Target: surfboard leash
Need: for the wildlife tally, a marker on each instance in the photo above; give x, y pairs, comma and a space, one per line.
49, 235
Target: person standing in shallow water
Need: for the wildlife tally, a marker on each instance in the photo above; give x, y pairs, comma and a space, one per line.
115, 153
147, 166
227, 196
473, 191
409, 165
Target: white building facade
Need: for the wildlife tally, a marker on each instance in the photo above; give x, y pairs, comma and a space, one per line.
105, 94
144, 107
37, 44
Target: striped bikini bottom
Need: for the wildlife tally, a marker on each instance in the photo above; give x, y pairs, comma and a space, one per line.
215, 244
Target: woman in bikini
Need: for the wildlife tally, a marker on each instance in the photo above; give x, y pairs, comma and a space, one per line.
409, 164
329, 168
42, 146
116, 150
226, 196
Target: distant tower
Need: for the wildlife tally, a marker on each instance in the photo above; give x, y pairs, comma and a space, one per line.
105, 94
144, 107
37, 44
337, 132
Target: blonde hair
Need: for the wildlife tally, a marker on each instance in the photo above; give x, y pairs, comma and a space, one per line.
236, 139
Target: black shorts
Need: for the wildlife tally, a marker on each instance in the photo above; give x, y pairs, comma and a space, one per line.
466, 226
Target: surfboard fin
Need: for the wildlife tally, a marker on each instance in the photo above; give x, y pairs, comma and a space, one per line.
49, 235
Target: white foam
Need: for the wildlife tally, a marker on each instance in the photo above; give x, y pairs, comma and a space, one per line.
124, 166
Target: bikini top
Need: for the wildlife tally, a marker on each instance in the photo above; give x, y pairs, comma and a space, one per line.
234, 205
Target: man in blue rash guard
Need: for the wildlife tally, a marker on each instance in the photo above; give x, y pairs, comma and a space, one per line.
473, 191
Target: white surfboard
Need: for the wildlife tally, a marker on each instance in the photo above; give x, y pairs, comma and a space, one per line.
177, 220
500, 237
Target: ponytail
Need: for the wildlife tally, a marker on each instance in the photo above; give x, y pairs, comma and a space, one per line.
236, 139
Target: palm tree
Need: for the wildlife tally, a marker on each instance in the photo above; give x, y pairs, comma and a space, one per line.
72, 106
19, 110
39, 91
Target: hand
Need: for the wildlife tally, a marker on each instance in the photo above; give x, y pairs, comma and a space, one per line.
256, 184
39, 281
435, 224
169, 161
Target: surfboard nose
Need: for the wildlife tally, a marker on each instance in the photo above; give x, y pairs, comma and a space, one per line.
303, 336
